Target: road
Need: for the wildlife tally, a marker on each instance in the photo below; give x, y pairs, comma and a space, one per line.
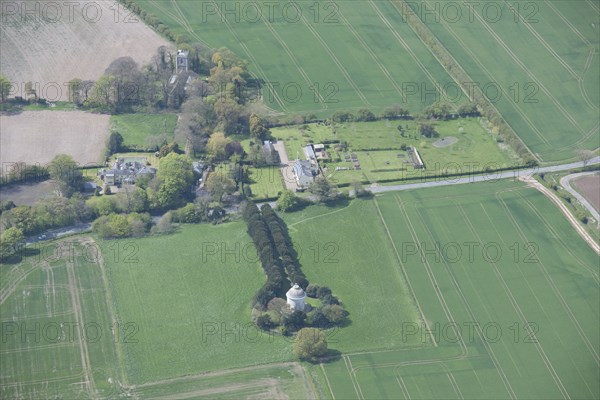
565, 182
515, 174
58, 233
567, 213
493, 176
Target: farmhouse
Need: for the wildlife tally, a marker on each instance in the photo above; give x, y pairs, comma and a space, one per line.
305, 172
295, 298
126, 172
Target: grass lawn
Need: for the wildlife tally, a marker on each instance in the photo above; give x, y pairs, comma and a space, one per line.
138, 130
266, 182
57, 106
377, 147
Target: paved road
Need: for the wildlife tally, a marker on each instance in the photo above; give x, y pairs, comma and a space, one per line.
493, 176
565, 182
79, 228
58, 233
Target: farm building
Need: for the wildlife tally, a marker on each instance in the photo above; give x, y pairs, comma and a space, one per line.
309, 152
319, 150
295, 298
416, 159
305, 172
271, 155
126, 172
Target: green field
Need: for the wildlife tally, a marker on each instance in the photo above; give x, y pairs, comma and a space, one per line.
57, 331
547, 68
179, 314
377, 147
519, 319
357, 58
527, 317
364, 54
193, 307
139, 130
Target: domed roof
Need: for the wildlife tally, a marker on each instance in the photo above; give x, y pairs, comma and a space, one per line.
295, 292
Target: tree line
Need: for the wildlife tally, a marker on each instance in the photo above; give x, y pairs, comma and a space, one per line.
484, 106
279, 261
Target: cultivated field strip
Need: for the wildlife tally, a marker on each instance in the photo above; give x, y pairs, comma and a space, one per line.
553, 119
53, 349
547, 309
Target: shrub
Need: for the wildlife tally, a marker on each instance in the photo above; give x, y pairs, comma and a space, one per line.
264, 322
334, 313
342, 116
121, 226
311, 290
323, 291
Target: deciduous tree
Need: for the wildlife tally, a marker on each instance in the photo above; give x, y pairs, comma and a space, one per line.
310, 344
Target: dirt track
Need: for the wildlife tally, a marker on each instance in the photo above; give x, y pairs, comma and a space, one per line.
554, 198
38, 136
55, 42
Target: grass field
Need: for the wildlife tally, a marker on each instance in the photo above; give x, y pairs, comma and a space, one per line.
174, 321
549, 95
192, 306
57, 331
358, 57
377, 146
517, 317
364, 54
138, 129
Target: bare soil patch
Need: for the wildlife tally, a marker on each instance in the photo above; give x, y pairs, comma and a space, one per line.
56, 41
589, 187
28, 193
37, 136
445, 142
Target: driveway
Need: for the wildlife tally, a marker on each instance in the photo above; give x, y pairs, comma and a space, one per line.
287, 170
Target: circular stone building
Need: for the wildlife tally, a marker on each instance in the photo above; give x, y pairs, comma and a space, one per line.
295, 298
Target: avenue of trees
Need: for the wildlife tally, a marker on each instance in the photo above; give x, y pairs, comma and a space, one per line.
282, 268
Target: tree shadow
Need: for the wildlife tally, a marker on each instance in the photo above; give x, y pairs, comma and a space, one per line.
19, 255
332, 355
340, 201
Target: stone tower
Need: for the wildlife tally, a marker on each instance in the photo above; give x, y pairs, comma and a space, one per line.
181, 64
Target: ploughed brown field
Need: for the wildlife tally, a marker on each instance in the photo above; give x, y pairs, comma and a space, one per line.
37, 136
589, 187
50, 43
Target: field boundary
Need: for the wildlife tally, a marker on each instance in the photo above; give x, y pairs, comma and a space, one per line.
546, 192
